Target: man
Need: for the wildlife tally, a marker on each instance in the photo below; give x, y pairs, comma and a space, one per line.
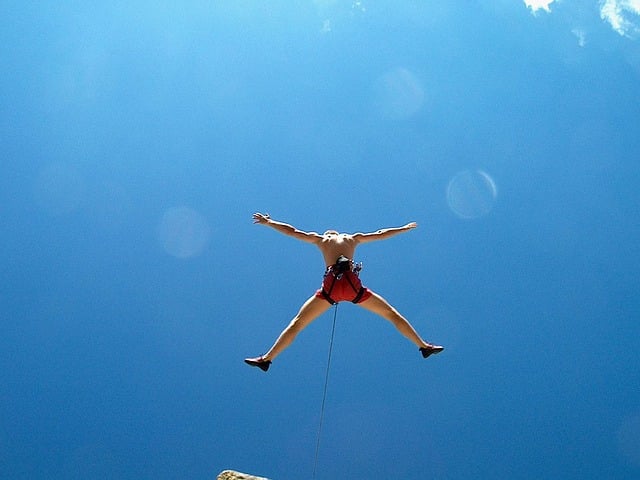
341, 282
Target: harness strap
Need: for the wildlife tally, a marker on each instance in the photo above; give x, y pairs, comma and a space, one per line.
327, 295
359, 292
328, 298
359, 295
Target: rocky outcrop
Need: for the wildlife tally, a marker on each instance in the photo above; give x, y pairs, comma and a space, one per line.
231, 475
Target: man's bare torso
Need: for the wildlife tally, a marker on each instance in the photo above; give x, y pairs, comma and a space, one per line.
334, 244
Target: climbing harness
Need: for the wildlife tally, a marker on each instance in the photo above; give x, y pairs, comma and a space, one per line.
343, 267
324, 393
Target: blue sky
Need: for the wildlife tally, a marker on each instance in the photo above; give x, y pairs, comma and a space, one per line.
138, 138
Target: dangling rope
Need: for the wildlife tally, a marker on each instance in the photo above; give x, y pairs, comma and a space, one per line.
324, 394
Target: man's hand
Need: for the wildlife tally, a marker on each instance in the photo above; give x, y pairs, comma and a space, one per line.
261, 218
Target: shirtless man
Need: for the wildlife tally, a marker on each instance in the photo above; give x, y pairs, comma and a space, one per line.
341, 282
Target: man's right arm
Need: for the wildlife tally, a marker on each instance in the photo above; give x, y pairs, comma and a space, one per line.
286, 229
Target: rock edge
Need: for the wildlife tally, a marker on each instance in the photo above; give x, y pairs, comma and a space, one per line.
233, 475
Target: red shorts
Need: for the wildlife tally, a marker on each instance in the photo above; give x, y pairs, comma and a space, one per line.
346, 288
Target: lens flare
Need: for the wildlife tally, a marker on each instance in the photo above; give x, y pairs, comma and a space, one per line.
471, 194
183, 232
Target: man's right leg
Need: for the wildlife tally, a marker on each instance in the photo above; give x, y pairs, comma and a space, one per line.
310, 310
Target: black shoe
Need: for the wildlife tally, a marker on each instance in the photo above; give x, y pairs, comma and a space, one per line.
432, 350
259, 362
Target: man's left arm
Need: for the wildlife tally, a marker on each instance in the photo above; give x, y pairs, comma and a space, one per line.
383, 233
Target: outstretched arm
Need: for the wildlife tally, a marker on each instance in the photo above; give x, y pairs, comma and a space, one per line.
383, 233
285, 228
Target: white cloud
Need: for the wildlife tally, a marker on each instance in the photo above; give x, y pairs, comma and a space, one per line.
536, 5
581, 35
622, 15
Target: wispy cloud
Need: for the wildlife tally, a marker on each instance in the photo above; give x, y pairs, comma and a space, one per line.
536, 5
581, 35
622, 15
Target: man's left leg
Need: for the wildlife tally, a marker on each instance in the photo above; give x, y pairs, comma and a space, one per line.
378, 305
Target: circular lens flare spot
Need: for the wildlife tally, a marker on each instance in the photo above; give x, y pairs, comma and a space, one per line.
183, 232
471, 194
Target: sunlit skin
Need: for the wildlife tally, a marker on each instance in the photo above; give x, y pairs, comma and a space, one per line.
332, 244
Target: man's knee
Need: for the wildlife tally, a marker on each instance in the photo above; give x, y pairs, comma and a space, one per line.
295, 325
385, 308
301, 320
391, 314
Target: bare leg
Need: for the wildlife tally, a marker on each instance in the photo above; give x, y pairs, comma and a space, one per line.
380, 306
310, 310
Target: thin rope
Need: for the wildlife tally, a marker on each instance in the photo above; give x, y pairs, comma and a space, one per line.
324, 394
